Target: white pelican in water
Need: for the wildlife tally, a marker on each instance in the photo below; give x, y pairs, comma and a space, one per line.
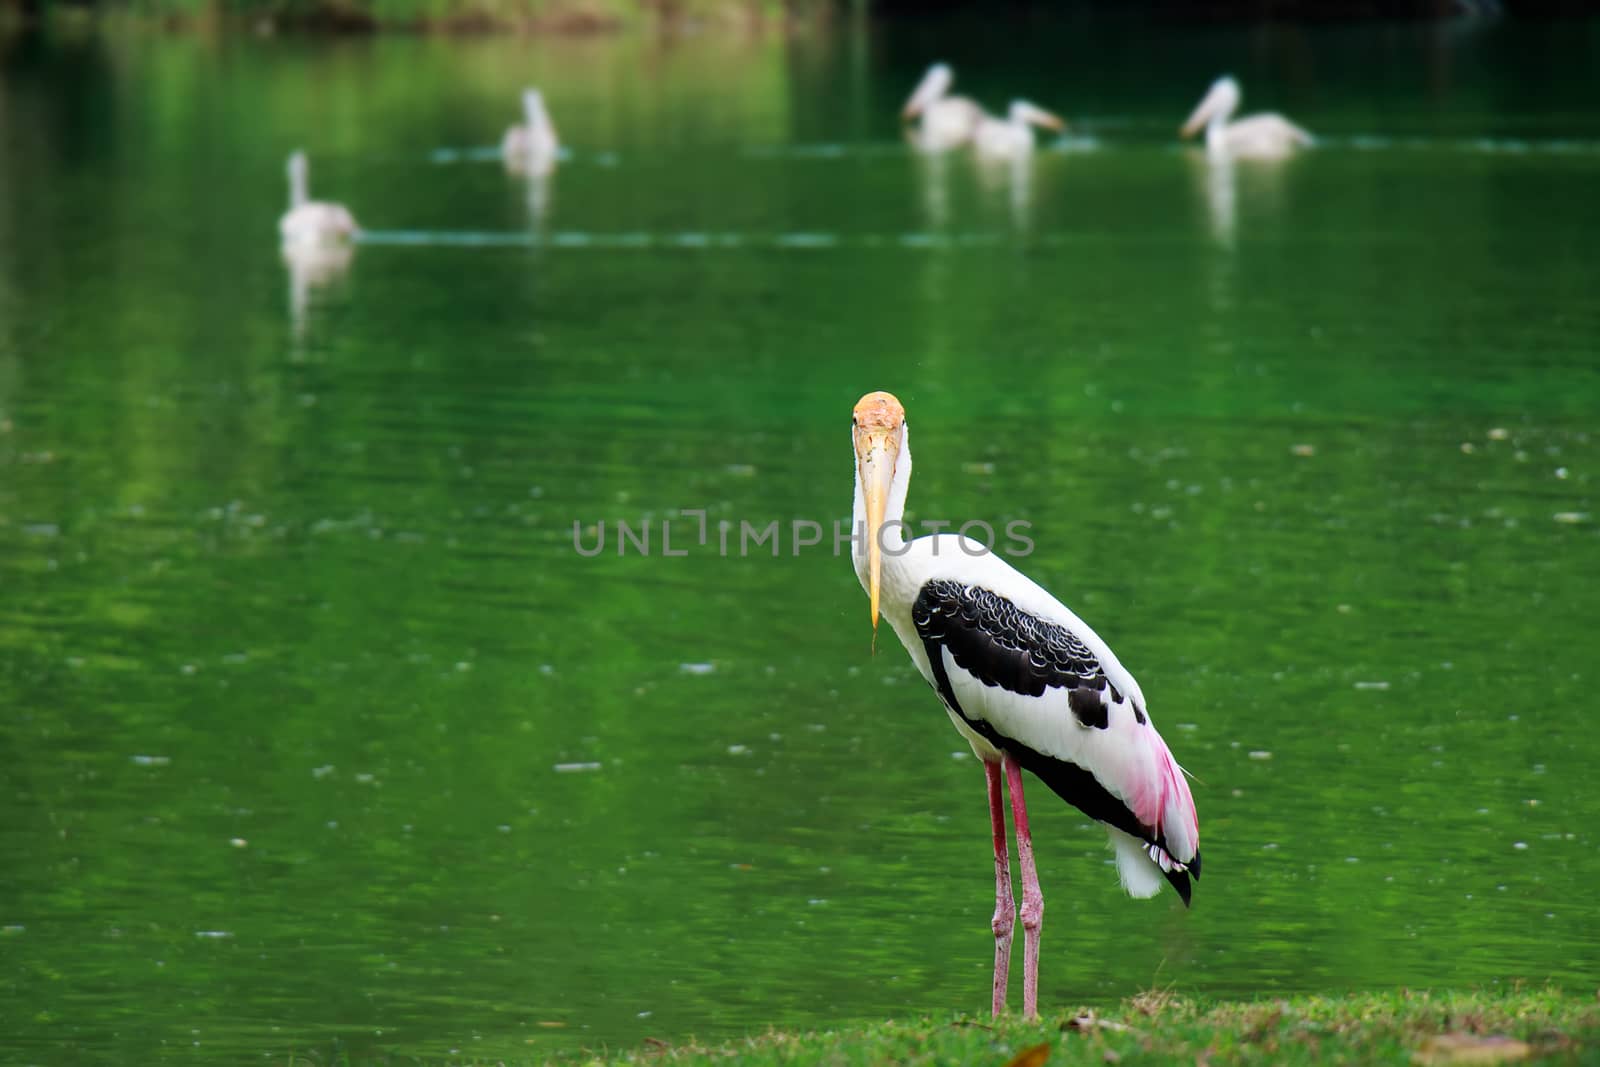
531, 148
947, 121
1028, 685
311, 224
1012, 136
1265, 136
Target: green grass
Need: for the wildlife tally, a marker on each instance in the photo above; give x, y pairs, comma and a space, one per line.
557, 16
1157, 1028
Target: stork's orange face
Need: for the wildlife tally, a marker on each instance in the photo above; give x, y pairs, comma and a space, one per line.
877, 413
878, 425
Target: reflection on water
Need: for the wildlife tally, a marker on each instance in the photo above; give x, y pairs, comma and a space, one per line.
1012, 179
321, 738
538, 187
933, 175
1216, 182
312, 268
1221, 182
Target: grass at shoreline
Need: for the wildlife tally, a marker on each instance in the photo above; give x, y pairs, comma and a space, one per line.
1545, 1025
426, 16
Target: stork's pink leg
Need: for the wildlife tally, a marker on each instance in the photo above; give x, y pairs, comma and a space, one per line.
1032, 899
1004, 908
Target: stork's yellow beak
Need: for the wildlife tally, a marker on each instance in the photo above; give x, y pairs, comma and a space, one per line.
875, 454
878, 425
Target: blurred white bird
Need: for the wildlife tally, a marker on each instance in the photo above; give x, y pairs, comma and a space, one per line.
1012, 136
532, 147
1264, 136
946, 121
312, 224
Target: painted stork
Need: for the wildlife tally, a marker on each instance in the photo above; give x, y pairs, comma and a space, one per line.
1012, 136
532, 148
1027, 683
310, 225
1264, 136
946, 121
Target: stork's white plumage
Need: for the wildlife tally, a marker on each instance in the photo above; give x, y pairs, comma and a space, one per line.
945, 121
1265, 136
1027, 683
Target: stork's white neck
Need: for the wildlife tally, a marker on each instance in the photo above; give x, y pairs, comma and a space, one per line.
893, 538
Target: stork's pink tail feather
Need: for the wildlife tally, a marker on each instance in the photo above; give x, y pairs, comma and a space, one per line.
1165, 803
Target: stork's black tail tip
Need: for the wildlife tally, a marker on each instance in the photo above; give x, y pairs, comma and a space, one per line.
1180, 878
1180, 882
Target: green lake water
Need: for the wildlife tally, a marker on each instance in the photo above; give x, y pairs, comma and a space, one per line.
318, 735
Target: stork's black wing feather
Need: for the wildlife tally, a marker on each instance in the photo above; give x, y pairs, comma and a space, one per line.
1001, 645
